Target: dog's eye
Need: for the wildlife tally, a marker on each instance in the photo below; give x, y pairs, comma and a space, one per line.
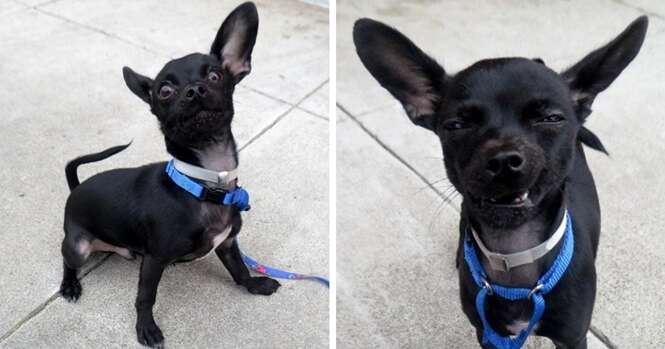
166, 91
213, 76
552, 118
453, 125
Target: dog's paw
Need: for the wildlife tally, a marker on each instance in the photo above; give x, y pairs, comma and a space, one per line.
71, 289
262, 285
150, 335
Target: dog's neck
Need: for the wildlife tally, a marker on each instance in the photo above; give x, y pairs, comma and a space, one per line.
521, 238
220, 155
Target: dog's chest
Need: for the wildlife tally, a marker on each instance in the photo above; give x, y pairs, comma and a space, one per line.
216, 221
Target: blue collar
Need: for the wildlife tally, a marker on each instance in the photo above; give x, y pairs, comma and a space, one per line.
544, 285
237, 197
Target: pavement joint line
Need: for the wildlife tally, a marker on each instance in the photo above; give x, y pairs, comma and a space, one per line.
41, 307
399, 158
280, 117
602, 337
266, 94
313, 114
94, 29
316, 89
131, 43
45, 3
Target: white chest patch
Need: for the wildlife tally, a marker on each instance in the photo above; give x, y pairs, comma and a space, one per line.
219, 238
518, 325
216, 241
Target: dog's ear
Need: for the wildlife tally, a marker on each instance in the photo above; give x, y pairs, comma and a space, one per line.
235, 40
411, 76
595, 72
138, 84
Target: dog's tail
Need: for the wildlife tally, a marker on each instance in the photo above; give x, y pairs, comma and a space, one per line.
70, 169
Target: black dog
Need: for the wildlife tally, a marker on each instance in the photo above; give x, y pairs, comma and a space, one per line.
141, 210
511, 131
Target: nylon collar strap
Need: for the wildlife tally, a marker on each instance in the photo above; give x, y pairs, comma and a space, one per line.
237, 197
544, 285
505, 262
222, 178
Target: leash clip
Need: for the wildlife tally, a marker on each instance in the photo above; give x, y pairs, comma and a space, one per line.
487, 286
534, 290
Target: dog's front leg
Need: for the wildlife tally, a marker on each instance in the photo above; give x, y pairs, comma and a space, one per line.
229, 253
146, 329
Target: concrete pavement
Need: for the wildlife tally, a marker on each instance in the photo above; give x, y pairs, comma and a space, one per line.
63, 96
397, 284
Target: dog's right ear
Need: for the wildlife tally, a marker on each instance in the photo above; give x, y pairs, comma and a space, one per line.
235, 40
138, 84
411, 76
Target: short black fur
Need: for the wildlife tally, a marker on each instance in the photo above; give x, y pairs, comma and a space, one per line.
140, 211
511, 131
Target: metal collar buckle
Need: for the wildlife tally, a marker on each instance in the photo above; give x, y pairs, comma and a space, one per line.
534, 290
488, 287
222, 177
499, 262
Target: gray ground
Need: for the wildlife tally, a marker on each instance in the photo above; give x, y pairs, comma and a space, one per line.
397, 283
63, 95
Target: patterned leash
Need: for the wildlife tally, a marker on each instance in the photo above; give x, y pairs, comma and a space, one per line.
281, 274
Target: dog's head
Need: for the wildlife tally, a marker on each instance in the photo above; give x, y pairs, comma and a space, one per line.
508, 127
192, 96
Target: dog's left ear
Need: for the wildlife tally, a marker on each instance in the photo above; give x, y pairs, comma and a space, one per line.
235, 40
137, 83
599, 68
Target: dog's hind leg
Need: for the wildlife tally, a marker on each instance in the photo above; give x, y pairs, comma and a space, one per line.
76, 248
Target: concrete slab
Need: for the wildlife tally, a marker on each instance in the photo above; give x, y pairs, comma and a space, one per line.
631, 187
395, 246
318, 103
651, 7
7, 7
290, 58
198, 304
459, 33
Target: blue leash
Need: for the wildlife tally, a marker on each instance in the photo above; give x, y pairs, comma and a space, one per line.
281, 274
238, 197
545, 284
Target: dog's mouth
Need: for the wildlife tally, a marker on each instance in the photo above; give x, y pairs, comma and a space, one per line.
207, 116
517, 199
203, 119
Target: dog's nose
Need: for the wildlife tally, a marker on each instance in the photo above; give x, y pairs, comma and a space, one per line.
505, 162
195, 91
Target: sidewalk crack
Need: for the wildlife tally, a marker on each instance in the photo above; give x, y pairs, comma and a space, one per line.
41, 307
281, 116
399, 158
595, 331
